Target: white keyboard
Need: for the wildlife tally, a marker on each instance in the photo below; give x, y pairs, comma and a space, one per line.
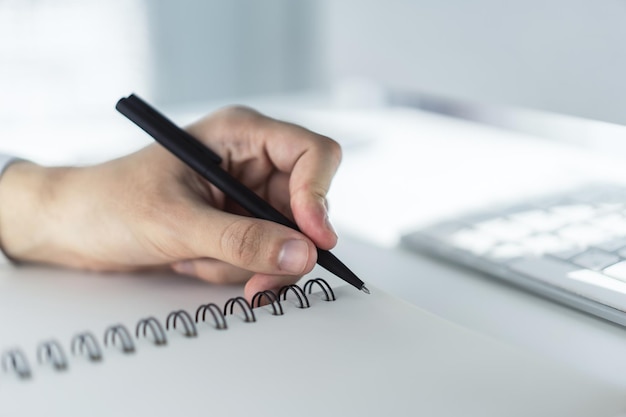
569, 247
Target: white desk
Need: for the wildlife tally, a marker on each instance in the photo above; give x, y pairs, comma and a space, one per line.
404, 168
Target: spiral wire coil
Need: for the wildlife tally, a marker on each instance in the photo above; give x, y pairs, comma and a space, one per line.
85, 344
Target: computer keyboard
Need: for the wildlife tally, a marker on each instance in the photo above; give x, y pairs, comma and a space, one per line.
569, 247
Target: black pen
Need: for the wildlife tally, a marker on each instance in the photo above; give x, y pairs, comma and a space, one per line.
207, 163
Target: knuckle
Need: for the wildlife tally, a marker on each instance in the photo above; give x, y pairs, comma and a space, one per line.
235, 114
241, 242
235, 122
317, 190
312, 188
239, 109
332, 149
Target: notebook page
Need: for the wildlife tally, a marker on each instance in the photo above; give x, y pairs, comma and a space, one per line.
360, 355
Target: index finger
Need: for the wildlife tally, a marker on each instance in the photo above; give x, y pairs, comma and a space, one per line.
312, 161
309, 159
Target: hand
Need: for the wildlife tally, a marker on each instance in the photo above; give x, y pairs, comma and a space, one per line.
148, 210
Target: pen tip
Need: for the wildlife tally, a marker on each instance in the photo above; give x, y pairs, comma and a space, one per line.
365, 290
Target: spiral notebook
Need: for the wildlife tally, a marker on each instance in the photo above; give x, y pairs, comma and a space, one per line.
89, 345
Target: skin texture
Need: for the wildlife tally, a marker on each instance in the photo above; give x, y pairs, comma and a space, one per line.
148, 210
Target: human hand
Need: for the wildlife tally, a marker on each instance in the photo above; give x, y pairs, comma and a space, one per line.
148, 209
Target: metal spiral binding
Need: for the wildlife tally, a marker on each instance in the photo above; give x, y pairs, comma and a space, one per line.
272, 298
158, 334
15, 360
190, 327
86, 341
303, 301
328, 292
127, 341
52, 352
216, 312
241, 302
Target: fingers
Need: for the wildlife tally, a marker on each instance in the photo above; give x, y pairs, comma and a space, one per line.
246, 243
310, 160
292, 167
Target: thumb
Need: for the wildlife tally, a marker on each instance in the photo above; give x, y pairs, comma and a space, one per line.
252, 244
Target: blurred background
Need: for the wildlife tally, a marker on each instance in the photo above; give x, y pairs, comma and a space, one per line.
67, 60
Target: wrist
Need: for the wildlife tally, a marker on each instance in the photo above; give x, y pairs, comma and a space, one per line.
27, 192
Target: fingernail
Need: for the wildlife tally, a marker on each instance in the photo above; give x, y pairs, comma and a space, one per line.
293, 256
184, 267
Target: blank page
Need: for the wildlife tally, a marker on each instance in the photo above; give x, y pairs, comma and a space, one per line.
359, 355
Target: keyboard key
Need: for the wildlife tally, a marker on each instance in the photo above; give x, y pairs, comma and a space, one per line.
613, 245
504, 229
598, 279
567, 254
595, 259
585, 235
617, 271
472, 241
539, 220
615, 223
545, 243
589, 284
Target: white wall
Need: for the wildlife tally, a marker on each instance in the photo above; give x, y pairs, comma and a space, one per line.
567, 56
208, 49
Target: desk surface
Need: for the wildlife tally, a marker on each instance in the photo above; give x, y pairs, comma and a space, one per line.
493, 308
404, 168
